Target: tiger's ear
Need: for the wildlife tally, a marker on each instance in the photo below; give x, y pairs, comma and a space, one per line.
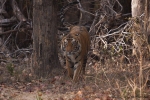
70, 27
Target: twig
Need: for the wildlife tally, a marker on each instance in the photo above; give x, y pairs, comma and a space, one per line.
15, 30
21, 50
4, 13
97, 14
117, 28
119, 5
82, 10
7, 22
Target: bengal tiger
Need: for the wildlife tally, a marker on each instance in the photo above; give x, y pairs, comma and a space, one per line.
74, 47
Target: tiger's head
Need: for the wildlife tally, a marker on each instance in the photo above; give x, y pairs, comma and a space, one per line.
70, 45
77, 41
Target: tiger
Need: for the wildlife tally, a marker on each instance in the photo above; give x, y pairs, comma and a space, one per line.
75, 46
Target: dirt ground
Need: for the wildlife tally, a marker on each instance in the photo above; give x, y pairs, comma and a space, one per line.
15, 84
52, 89
101, 82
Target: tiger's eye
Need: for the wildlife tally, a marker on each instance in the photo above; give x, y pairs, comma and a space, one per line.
76, 48
77, 34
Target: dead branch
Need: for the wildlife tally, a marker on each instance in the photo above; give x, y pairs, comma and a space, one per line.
119, 5
4, 13
16, 30
82, 10
92, 28
7, 22
22, 50
17, 11
110, 28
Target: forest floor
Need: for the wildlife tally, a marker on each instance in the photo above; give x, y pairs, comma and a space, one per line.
55, 88
99, 83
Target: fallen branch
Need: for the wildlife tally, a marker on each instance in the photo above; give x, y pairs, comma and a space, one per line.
16, 30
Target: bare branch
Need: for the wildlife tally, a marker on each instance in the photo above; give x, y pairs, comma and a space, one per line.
119, 5
15, 30
7, 22
4, 13
17, 11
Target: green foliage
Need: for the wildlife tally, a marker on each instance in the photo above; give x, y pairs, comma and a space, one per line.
125, 93
10, 68
39, 96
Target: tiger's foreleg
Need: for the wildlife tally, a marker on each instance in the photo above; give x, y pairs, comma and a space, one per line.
77, 71
69, 66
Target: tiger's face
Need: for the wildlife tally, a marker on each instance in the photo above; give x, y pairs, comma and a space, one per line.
71, 46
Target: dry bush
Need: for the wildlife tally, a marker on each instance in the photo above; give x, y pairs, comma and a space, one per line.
111, 63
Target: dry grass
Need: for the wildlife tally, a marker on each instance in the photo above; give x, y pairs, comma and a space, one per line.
114, 74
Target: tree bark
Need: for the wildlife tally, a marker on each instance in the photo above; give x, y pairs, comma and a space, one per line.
140, 12
137, 10
44, 37
137, 7
140, 7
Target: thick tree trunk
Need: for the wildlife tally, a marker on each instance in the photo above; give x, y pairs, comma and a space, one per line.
44, 37
140, 7
137, 7
137, 10
141, 35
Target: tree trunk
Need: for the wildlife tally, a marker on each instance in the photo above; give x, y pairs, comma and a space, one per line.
44, 37
140, 7
137, 7
140, 12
